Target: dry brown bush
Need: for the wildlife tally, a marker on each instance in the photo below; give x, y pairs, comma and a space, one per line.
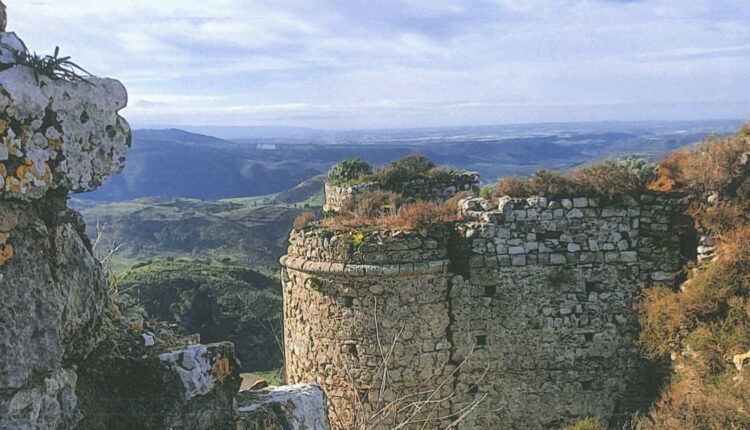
373, 204
413, 216
708, 321
513, 186
713, 165
689, 403
418, 215
734, 250
720, 218
303, 220
608, 179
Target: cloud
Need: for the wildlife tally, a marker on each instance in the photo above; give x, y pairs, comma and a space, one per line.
344, 63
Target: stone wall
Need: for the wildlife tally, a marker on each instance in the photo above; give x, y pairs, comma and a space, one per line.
336, 195
436, 190
524, 311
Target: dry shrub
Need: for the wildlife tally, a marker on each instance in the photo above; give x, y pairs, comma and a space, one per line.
690, 404
734, 251
608, 179
744, 130
543, 183
513, 186
611, 178
550, 184
721, 217
708, 321
419, 215
715, 164
668, 316
414, 216
451, 207
373, 204
303, 220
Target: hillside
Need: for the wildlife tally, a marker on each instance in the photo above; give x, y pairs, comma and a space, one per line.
217, 301
177, 163
249, 233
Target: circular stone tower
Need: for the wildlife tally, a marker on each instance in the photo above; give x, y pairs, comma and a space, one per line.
366, 317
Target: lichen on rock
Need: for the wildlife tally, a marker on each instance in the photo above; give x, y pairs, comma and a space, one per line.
293, 407
56, 134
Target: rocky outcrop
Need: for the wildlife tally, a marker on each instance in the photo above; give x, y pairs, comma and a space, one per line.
72, 354
57, 137
156, 378
53, 299
294, 407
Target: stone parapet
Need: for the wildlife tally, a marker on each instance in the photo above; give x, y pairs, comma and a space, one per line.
367, 246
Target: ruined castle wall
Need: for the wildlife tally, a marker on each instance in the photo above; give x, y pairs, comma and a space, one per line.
336, 195
528, 308
436, 190
440, 189
545, 307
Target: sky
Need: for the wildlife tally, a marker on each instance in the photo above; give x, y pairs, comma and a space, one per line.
343, 64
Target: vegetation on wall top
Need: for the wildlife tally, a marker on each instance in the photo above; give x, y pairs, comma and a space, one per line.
392, 176
608, 179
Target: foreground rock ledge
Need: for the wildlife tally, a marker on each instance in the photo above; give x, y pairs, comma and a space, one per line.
71, 355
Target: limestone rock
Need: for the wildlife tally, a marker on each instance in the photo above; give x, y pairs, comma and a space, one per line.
57, 134
3, 17
54, 297
294, 407
200, 367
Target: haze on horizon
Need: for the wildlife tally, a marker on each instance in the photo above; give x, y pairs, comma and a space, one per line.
342, 64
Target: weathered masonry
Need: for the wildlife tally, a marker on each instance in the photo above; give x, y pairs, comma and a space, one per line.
523, 312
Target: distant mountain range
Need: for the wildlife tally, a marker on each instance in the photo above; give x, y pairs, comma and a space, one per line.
268, 160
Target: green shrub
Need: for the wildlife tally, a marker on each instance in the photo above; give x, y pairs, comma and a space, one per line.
413, 164
314, 283
585, 424
486, 192
218, 301
348, 171
408, 168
